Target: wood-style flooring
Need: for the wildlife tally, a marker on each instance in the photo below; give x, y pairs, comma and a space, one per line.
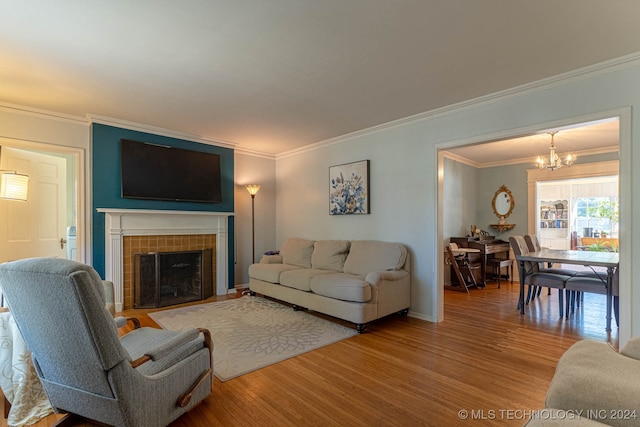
485, 364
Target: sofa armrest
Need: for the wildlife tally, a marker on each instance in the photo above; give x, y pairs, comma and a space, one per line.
632, 348
390, 276
593, 376
391, 290
271, 259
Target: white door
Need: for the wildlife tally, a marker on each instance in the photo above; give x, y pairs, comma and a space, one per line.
37, 227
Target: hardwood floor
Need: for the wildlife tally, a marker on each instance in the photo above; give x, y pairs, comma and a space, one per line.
484, 358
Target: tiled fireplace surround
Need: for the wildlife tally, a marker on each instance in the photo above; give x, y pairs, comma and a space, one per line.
139, 230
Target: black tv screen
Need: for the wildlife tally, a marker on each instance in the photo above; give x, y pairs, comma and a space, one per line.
160, 172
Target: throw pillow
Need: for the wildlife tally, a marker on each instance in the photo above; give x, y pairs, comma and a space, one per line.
330, 254
296, 251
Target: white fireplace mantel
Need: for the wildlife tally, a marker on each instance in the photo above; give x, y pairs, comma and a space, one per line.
141, 222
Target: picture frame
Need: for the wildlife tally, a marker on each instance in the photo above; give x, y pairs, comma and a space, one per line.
349, 188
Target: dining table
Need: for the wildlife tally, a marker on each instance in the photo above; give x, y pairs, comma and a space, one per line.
590, 259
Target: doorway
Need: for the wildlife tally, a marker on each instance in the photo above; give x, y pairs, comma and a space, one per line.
467, 186
45, 224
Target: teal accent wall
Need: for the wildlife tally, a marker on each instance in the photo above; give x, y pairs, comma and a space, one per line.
106, 190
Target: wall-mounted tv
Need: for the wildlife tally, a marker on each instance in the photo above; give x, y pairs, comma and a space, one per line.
160, 172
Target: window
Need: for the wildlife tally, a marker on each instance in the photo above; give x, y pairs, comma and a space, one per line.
597, 216
589, 209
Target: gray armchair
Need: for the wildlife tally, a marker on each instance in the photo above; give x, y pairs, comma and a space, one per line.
148, 377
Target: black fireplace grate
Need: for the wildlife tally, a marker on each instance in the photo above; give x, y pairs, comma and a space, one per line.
168, 278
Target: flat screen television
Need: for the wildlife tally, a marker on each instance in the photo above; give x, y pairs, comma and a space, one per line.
160, 172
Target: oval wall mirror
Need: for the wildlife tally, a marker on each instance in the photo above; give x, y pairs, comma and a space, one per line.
503, 202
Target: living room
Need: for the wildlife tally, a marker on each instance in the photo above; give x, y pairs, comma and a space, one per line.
407, 193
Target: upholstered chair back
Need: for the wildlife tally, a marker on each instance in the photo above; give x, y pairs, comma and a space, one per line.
37, 292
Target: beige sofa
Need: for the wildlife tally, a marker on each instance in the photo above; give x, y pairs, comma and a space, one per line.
595, 385
358, 281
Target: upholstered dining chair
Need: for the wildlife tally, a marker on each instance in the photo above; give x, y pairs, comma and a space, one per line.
147, 377
533, 244
534, 277
592, 282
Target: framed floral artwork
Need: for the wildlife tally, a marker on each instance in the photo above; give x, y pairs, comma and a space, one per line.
349, 188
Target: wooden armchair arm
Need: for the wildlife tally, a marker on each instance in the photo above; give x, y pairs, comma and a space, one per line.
180, 339
122, 321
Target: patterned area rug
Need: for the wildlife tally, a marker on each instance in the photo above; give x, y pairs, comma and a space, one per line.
250, 333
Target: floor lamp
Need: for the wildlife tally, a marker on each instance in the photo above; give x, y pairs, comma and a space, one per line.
253, 190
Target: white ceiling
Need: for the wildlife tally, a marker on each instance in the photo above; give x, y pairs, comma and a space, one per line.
275, 75
580, 139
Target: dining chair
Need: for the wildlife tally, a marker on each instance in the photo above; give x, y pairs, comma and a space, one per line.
592, 282
533, 244
581, 281
531, 275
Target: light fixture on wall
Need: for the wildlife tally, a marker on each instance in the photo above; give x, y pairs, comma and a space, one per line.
13, 186
253, 190
554, 162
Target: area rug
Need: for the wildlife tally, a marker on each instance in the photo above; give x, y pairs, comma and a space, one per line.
250, 333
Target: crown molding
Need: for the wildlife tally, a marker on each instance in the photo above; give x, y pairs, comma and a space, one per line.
253, 153
110, 121
46, 114
600, 68
463, 160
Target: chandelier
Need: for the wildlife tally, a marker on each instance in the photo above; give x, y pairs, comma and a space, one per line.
554, 162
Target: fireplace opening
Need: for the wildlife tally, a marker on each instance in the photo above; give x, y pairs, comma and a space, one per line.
169, 278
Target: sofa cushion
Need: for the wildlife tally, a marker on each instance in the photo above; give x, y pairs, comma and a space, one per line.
366, 256
296, 251
330, 254
346, 287
269, 272
300, 278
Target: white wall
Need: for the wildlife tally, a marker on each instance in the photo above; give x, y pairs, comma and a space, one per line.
404, 171
460, 199
250, 169
403, 198
31, 127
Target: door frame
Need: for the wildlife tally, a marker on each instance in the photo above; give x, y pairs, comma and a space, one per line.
625, 331
82, 223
